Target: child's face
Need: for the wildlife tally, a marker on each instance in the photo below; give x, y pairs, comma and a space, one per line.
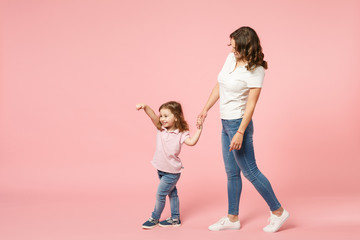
167, 119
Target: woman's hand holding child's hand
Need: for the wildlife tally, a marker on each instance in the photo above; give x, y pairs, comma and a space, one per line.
199, 123
201, 117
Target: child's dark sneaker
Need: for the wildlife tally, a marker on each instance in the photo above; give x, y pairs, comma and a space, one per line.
151, 223
170, 222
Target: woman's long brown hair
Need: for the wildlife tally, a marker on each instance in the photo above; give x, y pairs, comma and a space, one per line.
247, 44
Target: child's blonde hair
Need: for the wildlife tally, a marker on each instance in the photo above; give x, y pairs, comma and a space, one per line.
176, 109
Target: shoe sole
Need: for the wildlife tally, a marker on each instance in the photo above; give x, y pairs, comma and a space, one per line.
224, 229
177, 225
149, 227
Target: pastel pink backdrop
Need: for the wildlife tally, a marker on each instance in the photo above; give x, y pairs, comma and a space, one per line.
75, 154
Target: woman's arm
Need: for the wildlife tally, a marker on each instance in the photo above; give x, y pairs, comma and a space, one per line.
254, 94
214, 96
148, 110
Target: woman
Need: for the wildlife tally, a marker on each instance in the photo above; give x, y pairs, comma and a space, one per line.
238, 88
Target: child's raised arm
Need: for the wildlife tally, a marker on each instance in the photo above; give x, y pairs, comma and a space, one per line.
148, 110
191, 141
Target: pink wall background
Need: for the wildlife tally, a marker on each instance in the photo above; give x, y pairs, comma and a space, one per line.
72, 72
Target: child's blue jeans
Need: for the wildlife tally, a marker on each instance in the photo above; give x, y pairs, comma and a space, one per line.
167, 187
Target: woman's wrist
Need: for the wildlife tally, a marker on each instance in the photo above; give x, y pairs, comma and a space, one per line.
242, 133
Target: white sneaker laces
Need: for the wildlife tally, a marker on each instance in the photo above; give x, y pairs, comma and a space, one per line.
272, 220
222, 221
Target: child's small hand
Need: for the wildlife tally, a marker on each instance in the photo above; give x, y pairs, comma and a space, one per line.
140, 106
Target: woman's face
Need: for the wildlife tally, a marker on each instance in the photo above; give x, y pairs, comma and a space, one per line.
233, 48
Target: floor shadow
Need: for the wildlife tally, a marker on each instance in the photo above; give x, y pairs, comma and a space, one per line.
201, 203
287, 226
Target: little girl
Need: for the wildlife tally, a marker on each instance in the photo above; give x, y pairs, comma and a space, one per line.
172, 132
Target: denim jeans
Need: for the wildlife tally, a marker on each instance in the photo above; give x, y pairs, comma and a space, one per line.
243, 160
167, 187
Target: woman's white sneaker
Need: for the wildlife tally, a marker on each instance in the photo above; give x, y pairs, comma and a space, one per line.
224, 224
276, 222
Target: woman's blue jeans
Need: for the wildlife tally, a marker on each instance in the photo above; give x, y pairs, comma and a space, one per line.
167, 187
243, 160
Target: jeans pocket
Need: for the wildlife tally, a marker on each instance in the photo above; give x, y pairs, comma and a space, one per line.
235, 124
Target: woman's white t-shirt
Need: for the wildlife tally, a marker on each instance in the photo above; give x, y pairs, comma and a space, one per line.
234, 87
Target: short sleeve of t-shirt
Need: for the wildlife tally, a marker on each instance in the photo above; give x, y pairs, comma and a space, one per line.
227, 64
256, 78
184, 136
